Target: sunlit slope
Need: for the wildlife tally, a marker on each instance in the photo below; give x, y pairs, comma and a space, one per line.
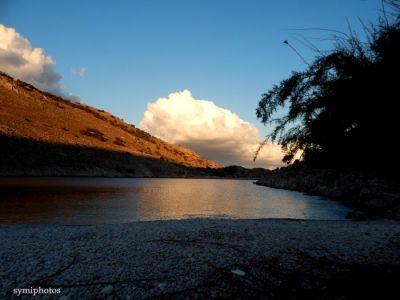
26, 112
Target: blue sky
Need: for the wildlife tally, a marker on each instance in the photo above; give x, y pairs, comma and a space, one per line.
229, 52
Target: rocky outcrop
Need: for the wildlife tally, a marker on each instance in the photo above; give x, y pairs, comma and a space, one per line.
371, 192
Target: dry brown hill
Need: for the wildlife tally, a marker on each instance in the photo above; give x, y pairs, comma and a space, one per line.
27, 113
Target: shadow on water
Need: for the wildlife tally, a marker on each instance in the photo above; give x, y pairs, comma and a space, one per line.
116, 200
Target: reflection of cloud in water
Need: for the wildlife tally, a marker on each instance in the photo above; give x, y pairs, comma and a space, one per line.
192, 198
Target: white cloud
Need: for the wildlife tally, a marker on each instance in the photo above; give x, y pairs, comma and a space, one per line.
214, 132
20, 60
80, 72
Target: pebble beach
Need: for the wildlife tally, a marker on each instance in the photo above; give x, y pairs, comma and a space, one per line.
197, 259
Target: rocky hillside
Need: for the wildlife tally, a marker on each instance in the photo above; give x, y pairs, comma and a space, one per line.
39, 118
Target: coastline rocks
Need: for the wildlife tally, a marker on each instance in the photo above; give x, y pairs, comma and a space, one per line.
375, 195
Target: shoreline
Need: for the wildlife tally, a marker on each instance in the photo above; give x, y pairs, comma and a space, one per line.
371, 193
127, 177
201, 258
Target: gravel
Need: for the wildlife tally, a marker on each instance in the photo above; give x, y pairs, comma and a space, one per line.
198, 258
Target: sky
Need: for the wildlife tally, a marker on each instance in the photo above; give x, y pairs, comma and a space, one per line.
146, 60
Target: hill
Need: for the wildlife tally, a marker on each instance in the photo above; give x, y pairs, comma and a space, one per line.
42, 134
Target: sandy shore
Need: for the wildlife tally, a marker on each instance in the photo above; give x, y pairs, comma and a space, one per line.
202, 258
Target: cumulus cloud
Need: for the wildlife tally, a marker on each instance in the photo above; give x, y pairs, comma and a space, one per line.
19, 59
212, 131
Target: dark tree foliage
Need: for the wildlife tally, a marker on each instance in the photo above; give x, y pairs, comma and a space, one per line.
343, 109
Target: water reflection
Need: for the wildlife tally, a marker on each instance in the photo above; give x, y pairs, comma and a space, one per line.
105, 200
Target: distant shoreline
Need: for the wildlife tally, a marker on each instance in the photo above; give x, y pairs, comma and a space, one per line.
4, 177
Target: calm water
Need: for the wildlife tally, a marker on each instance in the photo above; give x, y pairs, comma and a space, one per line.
105, 200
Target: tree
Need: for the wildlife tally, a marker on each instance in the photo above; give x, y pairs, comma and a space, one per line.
342, 110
